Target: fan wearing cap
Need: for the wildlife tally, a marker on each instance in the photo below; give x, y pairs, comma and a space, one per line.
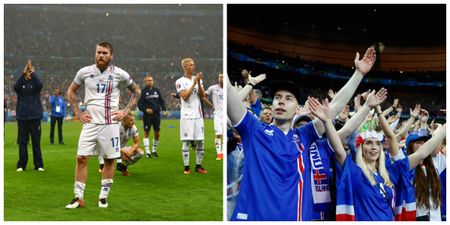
275, 156
420, 146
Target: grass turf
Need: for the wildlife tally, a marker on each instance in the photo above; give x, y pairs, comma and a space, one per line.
157, 189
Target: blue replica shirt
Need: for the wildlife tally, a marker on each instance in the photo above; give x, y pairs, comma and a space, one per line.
318, 201
256, 108
272, 184
235, 165
58, 106
367, 202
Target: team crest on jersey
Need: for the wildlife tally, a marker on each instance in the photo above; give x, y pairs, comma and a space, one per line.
110, 77
298, 144
268, 132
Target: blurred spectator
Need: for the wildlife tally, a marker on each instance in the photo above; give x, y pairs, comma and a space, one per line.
58, 106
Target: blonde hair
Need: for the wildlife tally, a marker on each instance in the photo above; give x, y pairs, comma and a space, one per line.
185, 60
380, 164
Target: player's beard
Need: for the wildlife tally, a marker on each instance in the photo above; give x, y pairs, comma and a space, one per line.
102, 64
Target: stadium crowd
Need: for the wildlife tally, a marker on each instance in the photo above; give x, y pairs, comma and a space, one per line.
375, 155
57, 53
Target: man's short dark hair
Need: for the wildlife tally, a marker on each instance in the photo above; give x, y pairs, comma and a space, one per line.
107, 45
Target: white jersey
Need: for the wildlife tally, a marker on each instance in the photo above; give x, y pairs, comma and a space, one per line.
216, 93
102, 92
191, 108
125, 135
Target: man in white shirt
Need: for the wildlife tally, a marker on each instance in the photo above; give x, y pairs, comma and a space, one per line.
216, 93
190, 89
100, 133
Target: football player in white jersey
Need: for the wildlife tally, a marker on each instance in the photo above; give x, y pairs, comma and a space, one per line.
100, 132
190, 89
216, 93
129, 154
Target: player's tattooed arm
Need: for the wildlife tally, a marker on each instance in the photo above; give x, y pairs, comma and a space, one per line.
134, 88
84, 117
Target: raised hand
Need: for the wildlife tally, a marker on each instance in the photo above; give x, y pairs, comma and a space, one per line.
198, 77
365, 64
365, 94
395, 103
302, 111
245, 74
256, 80
415, 113
376, 99
399, 108
320, 110
28, 70
331, 93
424, 115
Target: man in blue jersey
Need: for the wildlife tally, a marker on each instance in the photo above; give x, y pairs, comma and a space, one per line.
272, 187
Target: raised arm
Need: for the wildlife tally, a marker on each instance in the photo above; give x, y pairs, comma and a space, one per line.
235, 108
252, 82
372, 101
390, 109
427, 148
341, 98
321, 111
392, 140
413, 116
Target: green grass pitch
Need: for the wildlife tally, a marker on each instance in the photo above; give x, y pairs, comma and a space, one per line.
157, 189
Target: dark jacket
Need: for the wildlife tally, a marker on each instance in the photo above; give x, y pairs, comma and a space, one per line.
29, 105
151, 98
